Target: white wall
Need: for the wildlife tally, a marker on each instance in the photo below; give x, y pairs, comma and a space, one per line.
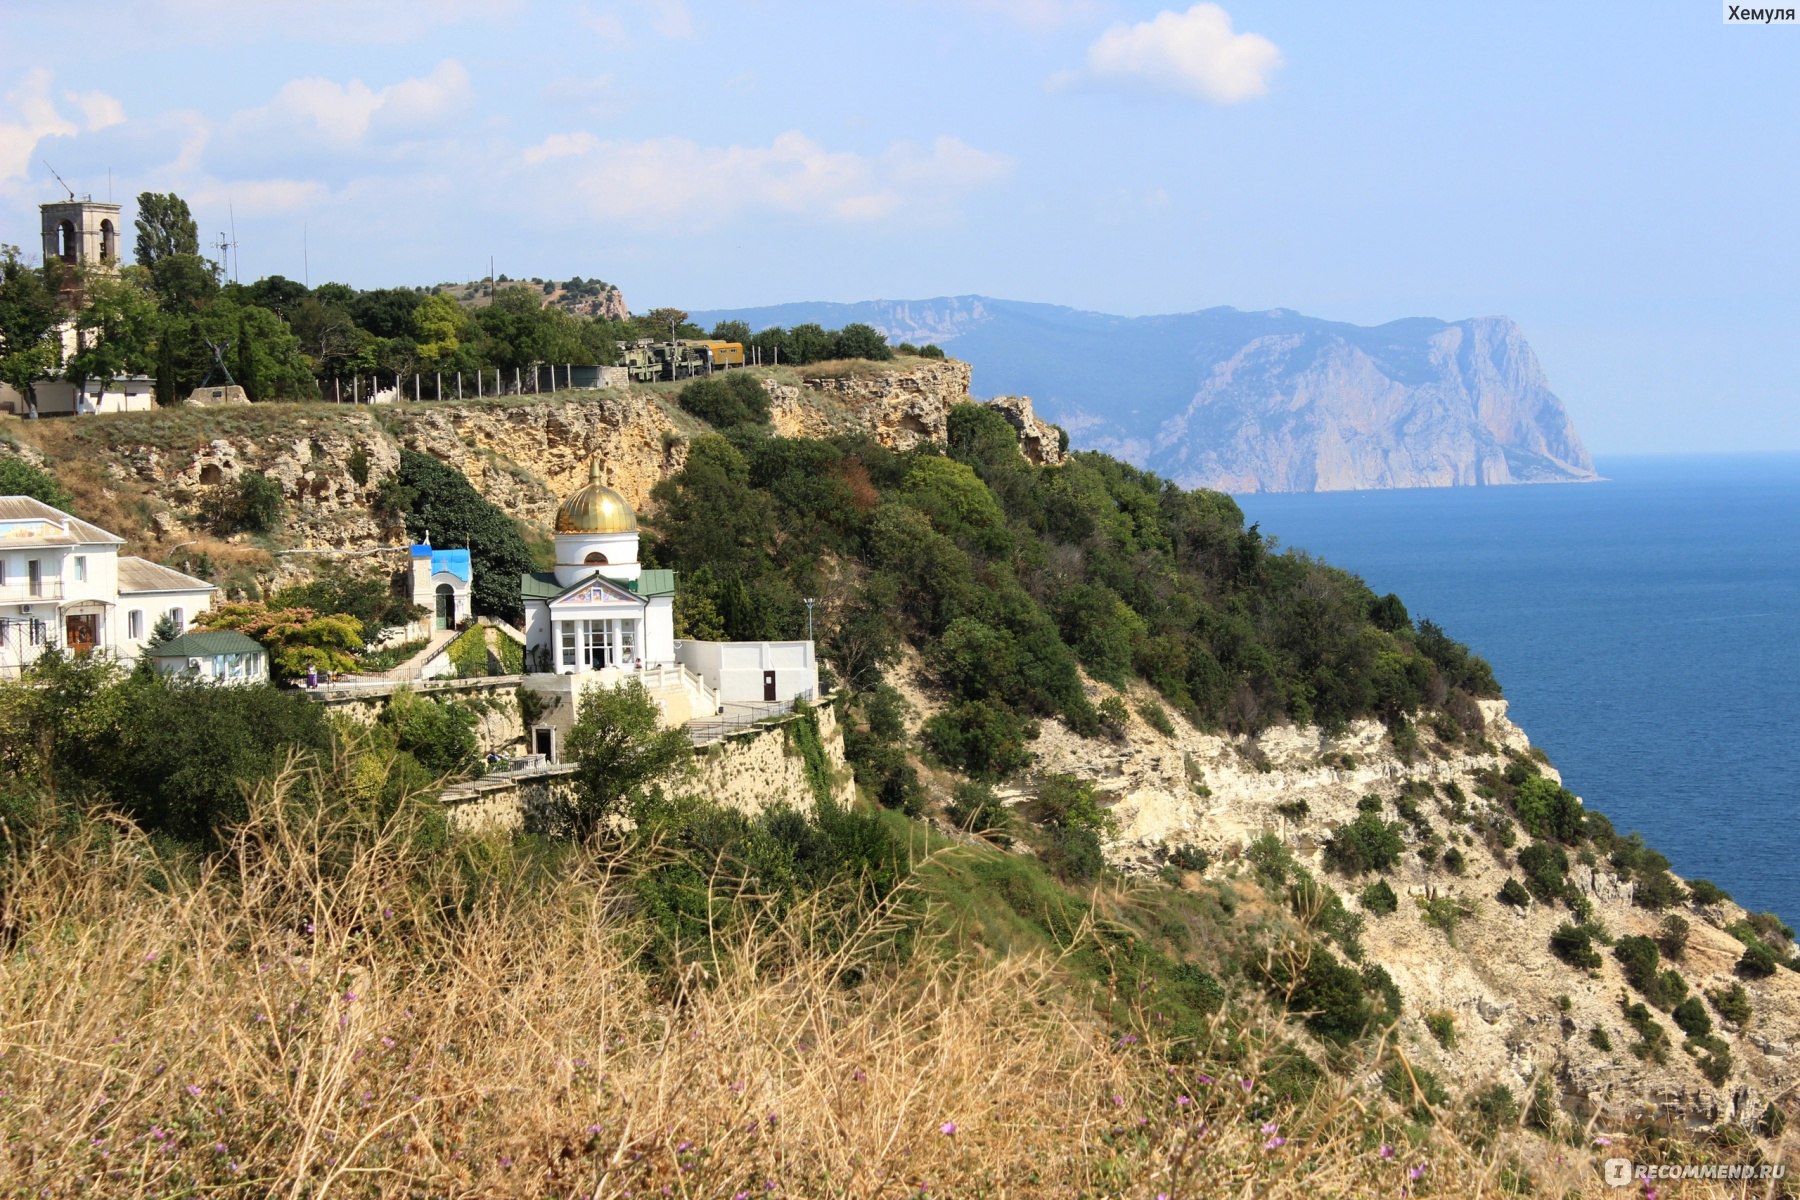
736, 669
659, 630
155, 606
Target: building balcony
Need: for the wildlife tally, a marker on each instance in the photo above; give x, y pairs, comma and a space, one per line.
23, 591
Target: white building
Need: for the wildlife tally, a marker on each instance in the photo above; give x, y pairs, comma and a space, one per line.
64, 583
215, 656
599, 609
442, 583
601, 617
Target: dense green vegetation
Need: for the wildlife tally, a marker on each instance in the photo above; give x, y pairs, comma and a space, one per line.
437, 501
1012, 578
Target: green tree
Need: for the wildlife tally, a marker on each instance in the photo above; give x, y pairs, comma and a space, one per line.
666, 319
862, 341
731, 331
439, 325
165, 227
29, 346
620, 752
117, 329
737, 398
440, 735
184, 283
20, 478
296, 638
436, 499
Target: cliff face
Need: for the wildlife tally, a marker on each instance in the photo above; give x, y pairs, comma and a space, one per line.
1257, 401
1467, 405
1519, 1012
151, 476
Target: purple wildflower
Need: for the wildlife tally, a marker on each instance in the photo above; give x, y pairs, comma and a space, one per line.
948, 1128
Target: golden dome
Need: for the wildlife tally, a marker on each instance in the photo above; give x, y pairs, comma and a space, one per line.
596, 508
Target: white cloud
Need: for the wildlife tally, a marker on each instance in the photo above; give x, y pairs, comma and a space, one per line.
34, 118
1194, 54
98, 110
669, 183
343, 115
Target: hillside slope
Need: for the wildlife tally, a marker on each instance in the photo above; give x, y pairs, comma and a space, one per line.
1255, 401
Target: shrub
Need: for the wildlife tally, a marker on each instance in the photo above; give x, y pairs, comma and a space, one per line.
1732, 1003
1575, 946
20, 478
1714, 1058
1445, 913
981, 739
1513, 892
1443, 1028
1705, 891
973, 806
1547, 810
1157, 717
1311, 980
1657, 890
254, 505
1639, 959
736, 398
1599, 1039
1770, 928
1453, 861
1495, 1108
1365, 844
1653, 1039
1186, 857
1545, 867
1115, 718
1690, 1017
1415, 1089
1379, 899
1758, 962
1294, 810
1672, 936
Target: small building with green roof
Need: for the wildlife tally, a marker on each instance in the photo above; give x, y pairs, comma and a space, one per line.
219, 656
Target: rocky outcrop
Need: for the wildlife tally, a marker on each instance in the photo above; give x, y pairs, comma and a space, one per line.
900, 406
1520, 1013
1039, 441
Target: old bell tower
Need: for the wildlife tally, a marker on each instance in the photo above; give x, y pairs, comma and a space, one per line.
82, 233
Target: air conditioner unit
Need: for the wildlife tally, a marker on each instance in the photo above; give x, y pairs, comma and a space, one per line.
193, 664
24, 608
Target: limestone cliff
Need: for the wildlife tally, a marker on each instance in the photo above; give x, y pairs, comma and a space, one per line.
152, 476
1519, 1012
1464, 405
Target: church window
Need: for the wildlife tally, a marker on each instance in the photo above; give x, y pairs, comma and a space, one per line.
568, 643
134, 624
66, 241
596, 559
627, 642
109, 239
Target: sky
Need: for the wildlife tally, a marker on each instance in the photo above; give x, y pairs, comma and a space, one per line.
1618, 176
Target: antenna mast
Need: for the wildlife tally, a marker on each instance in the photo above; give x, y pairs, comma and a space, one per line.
59, 179
236, 262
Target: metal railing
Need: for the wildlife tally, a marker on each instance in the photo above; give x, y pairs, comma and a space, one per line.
739, 716
23, 591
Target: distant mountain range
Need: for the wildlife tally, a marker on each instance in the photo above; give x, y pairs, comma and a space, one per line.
1253, 401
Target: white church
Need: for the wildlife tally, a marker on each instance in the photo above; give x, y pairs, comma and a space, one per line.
601, 617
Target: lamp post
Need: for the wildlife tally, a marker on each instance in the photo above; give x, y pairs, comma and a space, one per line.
809, 602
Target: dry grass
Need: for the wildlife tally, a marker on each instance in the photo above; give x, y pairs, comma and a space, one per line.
339, 1005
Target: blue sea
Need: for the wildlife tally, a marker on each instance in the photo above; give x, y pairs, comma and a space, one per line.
1645, 629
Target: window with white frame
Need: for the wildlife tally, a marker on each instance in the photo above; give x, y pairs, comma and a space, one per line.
81, 568
179, 617
134, 624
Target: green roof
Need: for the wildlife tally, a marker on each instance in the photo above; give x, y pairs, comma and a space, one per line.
540, 585
655, 582
203, 645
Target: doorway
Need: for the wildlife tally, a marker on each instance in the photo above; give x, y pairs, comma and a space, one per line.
769, 686
446, 607
543, 741
81, 633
